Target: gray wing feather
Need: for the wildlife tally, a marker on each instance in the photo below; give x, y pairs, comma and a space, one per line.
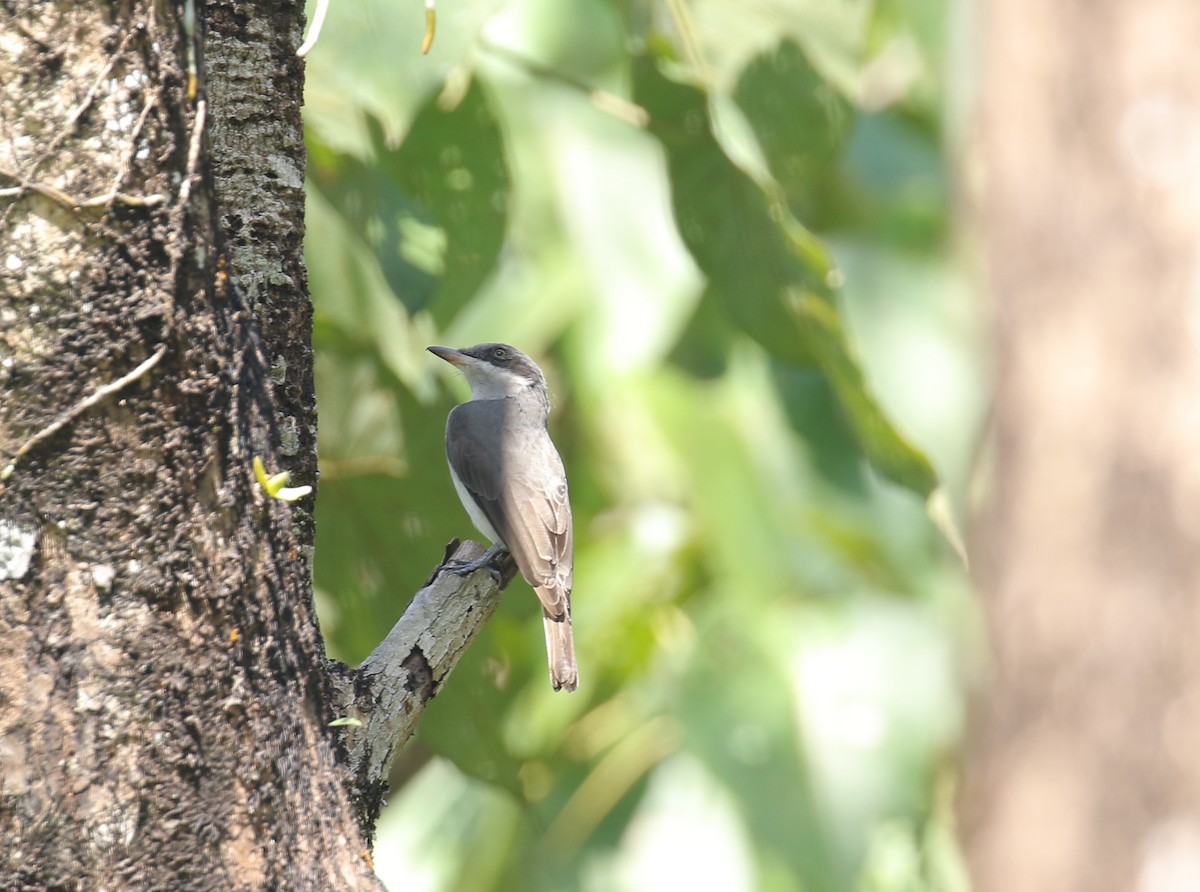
511, 468
475, 456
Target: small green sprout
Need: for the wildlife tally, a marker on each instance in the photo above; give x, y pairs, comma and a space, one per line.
276, 485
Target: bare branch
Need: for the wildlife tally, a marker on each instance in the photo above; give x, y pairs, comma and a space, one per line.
389, 691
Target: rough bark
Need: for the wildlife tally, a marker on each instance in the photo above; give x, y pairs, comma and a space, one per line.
1082, 770
164, 695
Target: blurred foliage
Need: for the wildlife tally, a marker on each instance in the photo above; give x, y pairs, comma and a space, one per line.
723, 229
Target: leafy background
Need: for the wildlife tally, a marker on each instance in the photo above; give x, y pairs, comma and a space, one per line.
725, 230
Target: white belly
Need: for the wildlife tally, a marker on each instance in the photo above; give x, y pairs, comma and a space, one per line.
477, 516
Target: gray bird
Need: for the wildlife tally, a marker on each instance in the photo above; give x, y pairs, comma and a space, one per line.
510, 479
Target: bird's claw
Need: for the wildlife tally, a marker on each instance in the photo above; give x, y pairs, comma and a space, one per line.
485, 561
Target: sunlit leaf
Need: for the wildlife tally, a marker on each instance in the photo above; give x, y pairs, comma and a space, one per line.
729, 223
717, 38
432, 211
353, 307
889, 451
368, 63
774, 279
742, 725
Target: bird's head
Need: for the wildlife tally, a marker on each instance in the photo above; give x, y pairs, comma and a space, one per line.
495, 371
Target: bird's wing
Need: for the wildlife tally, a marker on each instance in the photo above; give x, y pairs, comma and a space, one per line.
515, 474
539, 522
473, 448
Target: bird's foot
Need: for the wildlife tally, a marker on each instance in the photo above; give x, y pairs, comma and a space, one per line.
484, 561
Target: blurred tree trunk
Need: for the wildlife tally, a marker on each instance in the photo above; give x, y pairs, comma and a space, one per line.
163, 698
1082, 770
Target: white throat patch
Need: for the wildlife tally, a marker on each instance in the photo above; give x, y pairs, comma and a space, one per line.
491, 383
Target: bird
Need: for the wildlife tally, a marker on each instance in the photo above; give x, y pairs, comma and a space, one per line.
511, 481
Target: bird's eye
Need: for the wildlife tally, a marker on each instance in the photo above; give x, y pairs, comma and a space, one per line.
500, 353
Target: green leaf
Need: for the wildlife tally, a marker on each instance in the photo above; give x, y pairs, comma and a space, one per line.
800, 120
369, 60
465, 723
433, 211
773, 277
885, 447
353, 307
387, 506
718, 37
730, 224
895, 186
743, 727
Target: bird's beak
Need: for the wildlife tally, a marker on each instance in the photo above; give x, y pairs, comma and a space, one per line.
452, 356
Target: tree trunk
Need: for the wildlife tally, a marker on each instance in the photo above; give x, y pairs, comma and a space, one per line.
164, 695
1082, 767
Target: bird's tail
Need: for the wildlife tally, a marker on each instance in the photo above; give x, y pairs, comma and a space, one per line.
560, 649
